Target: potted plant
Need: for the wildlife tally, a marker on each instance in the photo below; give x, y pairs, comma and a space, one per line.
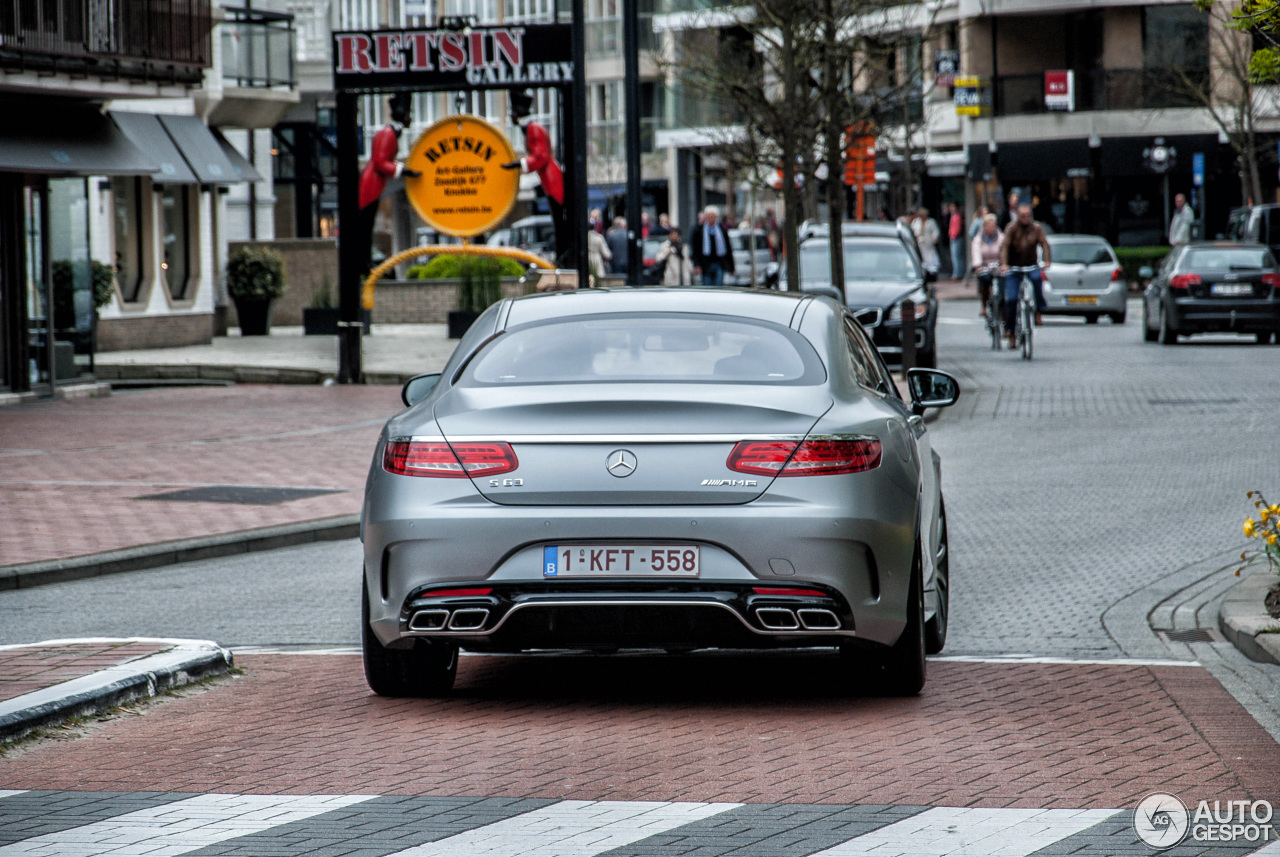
321, 318
255, 277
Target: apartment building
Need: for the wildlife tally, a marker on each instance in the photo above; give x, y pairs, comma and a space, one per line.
116, 174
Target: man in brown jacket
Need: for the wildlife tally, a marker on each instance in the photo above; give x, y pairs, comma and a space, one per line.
1021, 238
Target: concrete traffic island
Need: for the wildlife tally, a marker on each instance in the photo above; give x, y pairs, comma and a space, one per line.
1244, 620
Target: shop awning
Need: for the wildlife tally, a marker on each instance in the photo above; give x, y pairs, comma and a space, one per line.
200, 150
145, 131
244, 170
71, 142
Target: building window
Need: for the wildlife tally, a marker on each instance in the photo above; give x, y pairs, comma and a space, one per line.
175, 205
126, 191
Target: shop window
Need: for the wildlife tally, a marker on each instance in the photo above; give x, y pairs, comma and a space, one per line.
175, 204
126, 192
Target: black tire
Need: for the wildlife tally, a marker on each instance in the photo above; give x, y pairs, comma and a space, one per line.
898, 670
1091, 318
427, 669
935, 630
1028, 325
1148, 335
1168, 336
1117, 317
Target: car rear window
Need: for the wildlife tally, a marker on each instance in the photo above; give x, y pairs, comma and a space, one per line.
647, 348
1081, 253
864, 259
1226, 259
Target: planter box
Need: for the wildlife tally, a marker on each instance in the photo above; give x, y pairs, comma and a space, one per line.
317, 321
254, 317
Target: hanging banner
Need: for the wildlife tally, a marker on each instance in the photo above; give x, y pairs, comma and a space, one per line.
972, 96
464, 189
1060, 90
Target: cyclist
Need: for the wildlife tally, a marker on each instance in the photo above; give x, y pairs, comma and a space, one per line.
985, 255
1021, 238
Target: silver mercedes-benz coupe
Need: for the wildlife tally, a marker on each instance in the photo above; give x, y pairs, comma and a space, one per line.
657, 468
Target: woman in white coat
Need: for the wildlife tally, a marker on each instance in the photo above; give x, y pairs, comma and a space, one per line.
673, 256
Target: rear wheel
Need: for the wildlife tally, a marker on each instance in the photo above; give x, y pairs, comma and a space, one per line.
1148, 334
427, 669
1116, 317
1027, 324
1168, 336
900, 669
935, 630
1091, 318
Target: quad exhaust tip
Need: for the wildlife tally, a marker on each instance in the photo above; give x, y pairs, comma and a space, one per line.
471, 619
816, 619
777, 619
429, 620
806, 618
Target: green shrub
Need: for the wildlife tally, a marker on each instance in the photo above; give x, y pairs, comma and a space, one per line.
450, 266
480, 285
103, 284
1133, 258
255, 274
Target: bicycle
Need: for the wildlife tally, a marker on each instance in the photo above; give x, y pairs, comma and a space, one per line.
995, 304
1024, 318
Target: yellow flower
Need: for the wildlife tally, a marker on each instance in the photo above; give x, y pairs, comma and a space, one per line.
1274, 509
1248, 528
1271, 539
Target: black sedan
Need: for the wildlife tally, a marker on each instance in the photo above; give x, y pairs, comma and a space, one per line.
1213, 287
880, 274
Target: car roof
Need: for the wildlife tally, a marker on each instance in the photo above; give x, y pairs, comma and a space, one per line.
1243, 245
532, 219
777, 307
1075, 236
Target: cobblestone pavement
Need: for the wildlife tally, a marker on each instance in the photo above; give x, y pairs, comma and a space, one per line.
81, 476
1095, 469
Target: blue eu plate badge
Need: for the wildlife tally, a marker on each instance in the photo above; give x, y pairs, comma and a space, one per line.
549, 561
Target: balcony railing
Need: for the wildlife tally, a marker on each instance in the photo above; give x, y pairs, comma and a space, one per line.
1106, 89
164, 40
257, 48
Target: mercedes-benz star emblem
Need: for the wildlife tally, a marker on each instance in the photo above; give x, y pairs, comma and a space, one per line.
621, 462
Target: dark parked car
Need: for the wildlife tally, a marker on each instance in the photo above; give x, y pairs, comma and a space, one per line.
1213, 287
880, 273
1255, 224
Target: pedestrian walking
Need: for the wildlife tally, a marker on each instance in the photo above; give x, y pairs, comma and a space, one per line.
1180, 225
712, 254
617, 240
955, 239
598, 254
672, 258
927, 236
662, 227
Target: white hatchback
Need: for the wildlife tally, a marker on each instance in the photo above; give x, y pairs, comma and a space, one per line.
1085, 279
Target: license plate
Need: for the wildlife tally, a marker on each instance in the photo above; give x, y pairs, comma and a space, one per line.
1091, 300
613, 560
1231, 289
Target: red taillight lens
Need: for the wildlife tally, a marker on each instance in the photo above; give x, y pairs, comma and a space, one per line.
453, 593
1272, 280
1117, 274
1184, 281
811, 458
778, 590
765, 457
436, 458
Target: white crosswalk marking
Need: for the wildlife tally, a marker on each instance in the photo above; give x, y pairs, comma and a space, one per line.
571, 828
952, 832
179, 827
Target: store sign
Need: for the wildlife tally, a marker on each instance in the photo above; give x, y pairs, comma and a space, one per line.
1060, 90
946, 65
972, 96
464, 189
529, 55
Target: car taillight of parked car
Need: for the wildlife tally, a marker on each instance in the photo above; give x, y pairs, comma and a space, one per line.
1117, 275
1272, 280
810, 458
456, 461
1182, 282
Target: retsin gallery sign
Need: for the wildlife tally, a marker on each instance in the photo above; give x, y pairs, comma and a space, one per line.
486, 57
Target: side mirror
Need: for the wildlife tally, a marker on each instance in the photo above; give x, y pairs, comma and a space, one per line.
417, 387
931, 389
1146, 272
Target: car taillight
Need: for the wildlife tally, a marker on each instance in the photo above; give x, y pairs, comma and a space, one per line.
436, 458
1117, 274
811, 458
1184, 281
1272, 280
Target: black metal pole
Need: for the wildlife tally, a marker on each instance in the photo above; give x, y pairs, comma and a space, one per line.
577, 213
350, 265
631, 81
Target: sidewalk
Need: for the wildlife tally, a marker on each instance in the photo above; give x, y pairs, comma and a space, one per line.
47, 683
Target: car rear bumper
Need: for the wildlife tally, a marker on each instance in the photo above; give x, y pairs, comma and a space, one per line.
1205, 315
1069, 301
859, 550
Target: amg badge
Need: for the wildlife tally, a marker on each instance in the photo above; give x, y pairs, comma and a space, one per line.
731, 483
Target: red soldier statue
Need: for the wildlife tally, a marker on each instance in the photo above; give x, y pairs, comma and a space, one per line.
539, 159
382, 166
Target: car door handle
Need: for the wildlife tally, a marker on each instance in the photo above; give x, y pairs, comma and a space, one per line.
917, 425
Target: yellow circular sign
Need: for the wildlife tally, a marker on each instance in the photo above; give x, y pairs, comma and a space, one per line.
463, 189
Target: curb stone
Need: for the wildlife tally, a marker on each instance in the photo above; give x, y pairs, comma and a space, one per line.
183, 662
183, 550
1243, 619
